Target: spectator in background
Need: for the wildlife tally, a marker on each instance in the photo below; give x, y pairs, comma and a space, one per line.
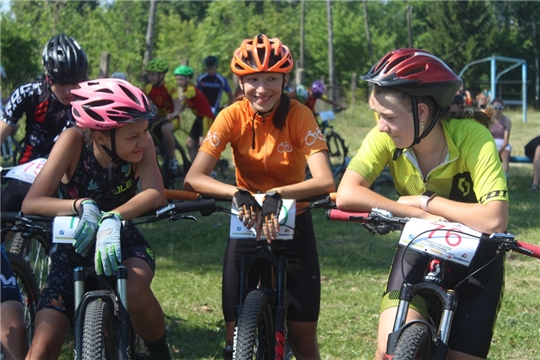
457, 103
532, 150
500, 130
466, 94
212, 84
483, 98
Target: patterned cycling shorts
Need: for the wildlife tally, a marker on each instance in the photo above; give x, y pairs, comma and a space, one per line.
58, 293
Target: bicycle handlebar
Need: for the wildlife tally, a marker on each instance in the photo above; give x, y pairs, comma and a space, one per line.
384, 222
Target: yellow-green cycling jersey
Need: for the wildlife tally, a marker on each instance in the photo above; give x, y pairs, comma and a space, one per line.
472, 172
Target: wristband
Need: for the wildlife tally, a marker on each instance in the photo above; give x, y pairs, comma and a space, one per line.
425, 198
74, 207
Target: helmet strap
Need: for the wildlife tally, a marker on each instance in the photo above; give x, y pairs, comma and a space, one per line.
115, 159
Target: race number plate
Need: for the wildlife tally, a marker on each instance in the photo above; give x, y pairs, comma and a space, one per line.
326, 115
287, 218
27, 172
64, 228
445, 240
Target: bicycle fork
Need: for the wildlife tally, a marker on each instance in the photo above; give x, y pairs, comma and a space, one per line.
119, 305
449, 301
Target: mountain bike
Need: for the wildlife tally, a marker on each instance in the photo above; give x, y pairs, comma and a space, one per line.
443, 243
261, 314
31, 243
337, 150
101, 325
172, 179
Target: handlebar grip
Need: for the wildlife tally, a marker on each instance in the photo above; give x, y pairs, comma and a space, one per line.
534, 249
204, 206
342, 215
181, 195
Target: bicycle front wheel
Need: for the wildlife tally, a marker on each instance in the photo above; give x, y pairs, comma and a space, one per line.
35, 251
254, 335
100, 333
28, 287
414, 343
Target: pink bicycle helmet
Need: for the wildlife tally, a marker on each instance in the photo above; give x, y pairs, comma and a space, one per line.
106, 104
317, 89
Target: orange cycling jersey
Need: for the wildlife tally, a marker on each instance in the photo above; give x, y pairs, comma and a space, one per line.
265, 156
197, 102
162, 96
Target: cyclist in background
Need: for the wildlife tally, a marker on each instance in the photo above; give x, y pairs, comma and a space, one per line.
272, 138
212, 84
194, 99
457, 103
164, 95
113, 161
46, 106
316, 92
445, 165
119, 75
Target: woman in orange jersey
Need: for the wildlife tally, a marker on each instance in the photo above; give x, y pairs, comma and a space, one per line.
272, 139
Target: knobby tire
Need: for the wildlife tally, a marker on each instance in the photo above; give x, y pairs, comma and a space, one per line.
29, 291
414, 343
35, 252
99, 332
254, 338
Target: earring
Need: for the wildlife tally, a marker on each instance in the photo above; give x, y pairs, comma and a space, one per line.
422, 126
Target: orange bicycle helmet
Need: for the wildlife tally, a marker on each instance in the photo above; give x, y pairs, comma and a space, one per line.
261, 54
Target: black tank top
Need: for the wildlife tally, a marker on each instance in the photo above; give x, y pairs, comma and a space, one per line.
91, 180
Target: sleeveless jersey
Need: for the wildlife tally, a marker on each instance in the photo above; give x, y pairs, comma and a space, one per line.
471, 174
91, 180
162, 96
265, 157
46, 118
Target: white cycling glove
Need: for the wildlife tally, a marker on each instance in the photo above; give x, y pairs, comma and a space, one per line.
85, 232
108, 251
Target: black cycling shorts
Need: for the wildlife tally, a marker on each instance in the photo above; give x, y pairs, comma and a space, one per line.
197, 128
12, 198
479, 297
9, 289
303, 276
58, 293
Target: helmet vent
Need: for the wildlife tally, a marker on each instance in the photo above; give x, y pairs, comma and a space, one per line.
130, 94
94, 115
105, 90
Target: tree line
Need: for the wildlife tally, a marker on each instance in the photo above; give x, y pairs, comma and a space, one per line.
187, 31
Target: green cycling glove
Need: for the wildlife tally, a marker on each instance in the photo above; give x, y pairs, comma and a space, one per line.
85, 232
108, 251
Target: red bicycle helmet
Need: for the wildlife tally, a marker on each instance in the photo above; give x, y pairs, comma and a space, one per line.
261, 54
106, 104
417, 73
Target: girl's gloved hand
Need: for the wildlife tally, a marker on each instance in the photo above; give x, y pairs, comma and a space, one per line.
108, 251
85, 232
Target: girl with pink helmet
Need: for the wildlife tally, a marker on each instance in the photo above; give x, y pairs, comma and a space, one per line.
92, 172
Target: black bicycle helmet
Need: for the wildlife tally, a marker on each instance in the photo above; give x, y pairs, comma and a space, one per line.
64, 61
418, 73
210, 61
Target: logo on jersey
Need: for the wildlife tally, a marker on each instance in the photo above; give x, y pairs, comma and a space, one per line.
213, 139
284, 147
11, 282
312, 136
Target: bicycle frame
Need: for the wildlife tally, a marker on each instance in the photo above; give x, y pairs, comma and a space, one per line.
272, 280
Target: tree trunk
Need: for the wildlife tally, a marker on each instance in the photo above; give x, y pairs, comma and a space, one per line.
368, 34
104, 65
331, 78
300, 72
150, 33
409, 14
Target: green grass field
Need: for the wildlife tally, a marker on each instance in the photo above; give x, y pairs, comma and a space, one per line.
354, 268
